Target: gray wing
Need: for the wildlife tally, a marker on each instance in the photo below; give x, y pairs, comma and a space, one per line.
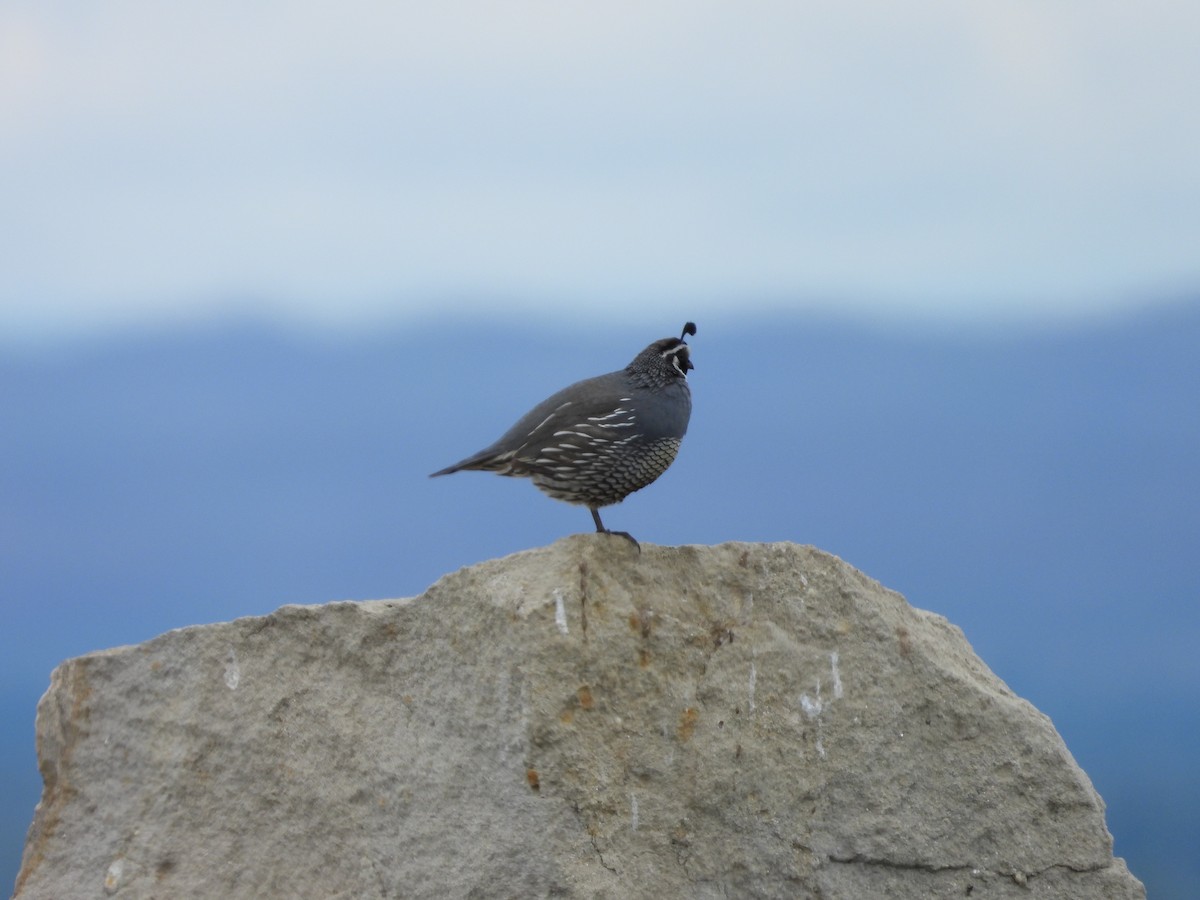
593, 410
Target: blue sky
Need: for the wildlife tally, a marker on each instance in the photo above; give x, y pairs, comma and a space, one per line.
353, 163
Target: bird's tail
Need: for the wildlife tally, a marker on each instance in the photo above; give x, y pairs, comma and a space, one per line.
484, 461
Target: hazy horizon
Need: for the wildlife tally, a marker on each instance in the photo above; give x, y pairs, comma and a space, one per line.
350, 166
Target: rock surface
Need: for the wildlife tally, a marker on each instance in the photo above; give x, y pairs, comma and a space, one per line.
744, 720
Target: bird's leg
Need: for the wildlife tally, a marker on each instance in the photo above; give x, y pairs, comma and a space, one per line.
600, 529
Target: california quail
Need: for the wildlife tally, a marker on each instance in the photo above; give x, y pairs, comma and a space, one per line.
599, 440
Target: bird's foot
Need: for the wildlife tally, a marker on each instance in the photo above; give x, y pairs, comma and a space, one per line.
625, 534
600, 529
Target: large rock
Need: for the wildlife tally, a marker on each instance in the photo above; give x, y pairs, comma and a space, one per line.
580, 720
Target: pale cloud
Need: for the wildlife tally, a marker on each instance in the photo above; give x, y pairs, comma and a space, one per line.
335, 161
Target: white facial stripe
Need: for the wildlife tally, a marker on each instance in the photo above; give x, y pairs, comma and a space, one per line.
674, 353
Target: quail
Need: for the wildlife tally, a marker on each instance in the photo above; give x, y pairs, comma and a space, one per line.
599, 440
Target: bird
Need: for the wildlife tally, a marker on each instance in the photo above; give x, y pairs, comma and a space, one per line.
597, 441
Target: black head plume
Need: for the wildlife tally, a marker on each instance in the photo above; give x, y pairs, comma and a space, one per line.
683, 361
680, 357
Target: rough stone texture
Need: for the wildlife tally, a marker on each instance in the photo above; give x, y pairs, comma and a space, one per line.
580, 720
